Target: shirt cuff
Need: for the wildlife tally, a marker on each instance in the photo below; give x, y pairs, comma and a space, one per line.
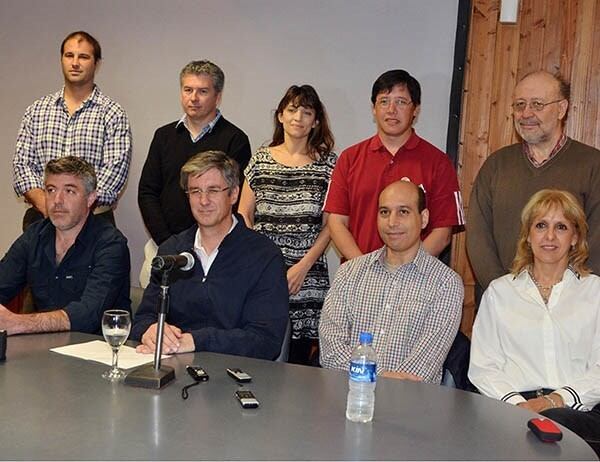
570, 397
513, 398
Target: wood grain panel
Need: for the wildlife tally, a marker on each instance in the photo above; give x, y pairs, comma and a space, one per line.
532, 26
581, 68
473, 148
504, 80
552, 45
569, 29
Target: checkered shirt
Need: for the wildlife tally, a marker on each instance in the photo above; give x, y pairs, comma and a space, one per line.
559, 145
413, 313
98, 132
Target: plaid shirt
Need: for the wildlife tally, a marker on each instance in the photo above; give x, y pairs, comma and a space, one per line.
413, 313
98, 131
559, 145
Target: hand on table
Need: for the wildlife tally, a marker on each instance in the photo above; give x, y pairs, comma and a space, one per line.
401, 375
174, 340
541, 404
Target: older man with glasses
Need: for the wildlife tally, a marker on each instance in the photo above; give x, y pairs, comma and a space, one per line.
546, 158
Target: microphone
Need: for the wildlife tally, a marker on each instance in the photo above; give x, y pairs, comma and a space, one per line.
184, 261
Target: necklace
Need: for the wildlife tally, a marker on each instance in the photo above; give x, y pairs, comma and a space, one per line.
545, 291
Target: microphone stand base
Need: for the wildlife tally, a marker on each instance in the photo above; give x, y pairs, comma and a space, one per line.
147, 377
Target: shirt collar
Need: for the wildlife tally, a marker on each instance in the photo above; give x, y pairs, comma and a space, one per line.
207, 129
59, 97
47, 235
411, 143
418, 262
569, 273
559, 145
198, 238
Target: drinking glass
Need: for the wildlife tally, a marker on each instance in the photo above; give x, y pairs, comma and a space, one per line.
116, 325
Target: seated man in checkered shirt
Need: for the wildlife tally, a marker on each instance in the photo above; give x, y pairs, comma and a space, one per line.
410, 301
79, 120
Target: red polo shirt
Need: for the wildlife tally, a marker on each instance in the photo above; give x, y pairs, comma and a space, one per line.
365, 169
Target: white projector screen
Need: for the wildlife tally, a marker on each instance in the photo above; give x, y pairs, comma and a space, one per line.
264, 46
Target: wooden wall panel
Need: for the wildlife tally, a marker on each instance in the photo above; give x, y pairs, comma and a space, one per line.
501, 123
552, 36
474, 138
532, 25
581, 69
555, 35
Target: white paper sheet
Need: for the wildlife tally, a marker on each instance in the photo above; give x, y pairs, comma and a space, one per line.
100, 351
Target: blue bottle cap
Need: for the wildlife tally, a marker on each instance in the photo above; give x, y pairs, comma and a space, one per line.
366, 337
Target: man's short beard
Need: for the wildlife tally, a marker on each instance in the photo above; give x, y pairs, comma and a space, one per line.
532, 138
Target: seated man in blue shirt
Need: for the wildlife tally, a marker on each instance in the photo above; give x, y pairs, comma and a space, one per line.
235, 299
76, 264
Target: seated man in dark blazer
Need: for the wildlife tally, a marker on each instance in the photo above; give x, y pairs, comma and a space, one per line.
76, 264
235, 299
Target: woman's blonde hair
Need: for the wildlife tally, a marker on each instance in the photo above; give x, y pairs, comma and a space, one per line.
539, 204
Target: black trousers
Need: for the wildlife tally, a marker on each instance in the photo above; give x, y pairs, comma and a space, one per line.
304, 351
585, 424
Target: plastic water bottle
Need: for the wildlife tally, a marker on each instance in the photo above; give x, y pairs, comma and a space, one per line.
361, 381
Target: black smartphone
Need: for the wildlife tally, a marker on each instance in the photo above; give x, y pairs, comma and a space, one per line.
197, 373
247, 399
239, 375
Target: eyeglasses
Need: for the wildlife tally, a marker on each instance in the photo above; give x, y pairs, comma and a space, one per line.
535, 106
211, 193
400, 102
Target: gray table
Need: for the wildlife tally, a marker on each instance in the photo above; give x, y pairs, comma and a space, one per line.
58, 407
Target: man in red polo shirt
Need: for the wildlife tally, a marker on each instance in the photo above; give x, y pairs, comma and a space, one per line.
394, 153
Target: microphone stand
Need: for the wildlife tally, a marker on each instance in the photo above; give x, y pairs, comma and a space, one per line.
154, 375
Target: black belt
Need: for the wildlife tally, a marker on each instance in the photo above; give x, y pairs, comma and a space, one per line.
536, 393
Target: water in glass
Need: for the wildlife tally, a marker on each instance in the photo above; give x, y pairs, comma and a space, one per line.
116, 325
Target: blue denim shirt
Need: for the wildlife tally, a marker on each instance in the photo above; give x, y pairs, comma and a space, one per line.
92, 277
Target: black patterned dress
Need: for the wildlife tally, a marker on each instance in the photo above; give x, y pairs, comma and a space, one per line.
289, 204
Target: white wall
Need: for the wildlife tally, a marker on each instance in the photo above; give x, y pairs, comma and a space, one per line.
264, 46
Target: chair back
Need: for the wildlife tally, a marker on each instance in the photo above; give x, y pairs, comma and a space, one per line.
135, 294
285, 346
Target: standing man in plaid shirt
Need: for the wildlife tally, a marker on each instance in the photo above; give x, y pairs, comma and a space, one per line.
79, 120
410, 301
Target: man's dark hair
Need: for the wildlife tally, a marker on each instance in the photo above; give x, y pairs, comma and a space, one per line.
88, 38
71, 165
388, 80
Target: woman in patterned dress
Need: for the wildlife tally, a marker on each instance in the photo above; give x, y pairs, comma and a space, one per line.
282, 197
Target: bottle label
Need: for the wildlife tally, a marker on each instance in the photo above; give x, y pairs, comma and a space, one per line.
360, 372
